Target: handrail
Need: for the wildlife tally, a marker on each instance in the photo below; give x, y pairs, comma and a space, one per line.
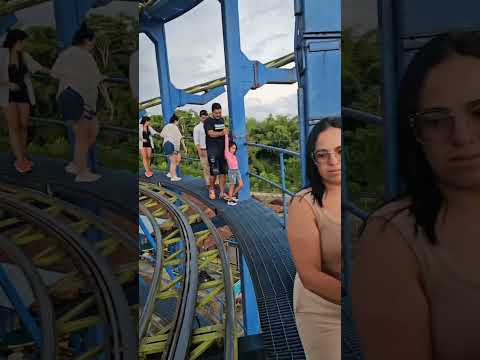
352, 208
357, 115
102, 126
282, 187
274, 149
271, 183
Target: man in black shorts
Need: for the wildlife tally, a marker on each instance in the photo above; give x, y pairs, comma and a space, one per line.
215, 132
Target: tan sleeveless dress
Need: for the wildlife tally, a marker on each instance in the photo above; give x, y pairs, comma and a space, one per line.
454, 297
319, 320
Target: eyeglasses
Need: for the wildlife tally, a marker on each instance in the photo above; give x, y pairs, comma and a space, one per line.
436, 125
323, 156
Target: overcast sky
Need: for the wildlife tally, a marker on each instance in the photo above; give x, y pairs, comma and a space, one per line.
195, 48
195, 45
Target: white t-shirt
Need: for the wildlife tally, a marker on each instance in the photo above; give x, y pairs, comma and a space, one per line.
199, 135
76, 68
171, 132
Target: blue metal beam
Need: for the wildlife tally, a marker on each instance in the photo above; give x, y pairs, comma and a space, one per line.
170, 95
6, 22
166, 10
251, 319
264, 75
147, 233
318, 63
69, 15
240, 79
23, 313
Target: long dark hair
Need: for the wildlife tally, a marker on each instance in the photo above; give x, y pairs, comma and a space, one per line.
14, 36
314, 178
420, 183
83, 34
174, 118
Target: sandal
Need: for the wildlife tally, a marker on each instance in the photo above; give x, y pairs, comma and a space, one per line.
21, 167
148, 174
211, 195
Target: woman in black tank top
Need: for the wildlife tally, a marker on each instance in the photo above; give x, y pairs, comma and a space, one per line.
19, 102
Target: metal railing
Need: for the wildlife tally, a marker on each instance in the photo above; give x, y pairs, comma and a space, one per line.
352, 115
282, 186
356, 115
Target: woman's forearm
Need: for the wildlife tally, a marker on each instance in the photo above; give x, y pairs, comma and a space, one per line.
324, 285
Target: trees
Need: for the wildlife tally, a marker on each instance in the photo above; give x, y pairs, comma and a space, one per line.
117, 38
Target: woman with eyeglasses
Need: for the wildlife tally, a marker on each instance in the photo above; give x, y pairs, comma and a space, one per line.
415, 280
314, 235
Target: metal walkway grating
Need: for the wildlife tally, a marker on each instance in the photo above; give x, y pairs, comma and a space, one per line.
115, 188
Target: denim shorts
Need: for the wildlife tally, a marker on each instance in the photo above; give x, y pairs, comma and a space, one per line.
234, 176
168, 148
72, 107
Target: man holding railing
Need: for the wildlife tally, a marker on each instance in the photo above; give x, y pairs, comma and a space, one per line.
199, 139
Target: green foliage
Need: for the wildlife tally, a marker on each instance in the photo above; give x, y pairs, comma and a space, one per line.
361, 90
116, 40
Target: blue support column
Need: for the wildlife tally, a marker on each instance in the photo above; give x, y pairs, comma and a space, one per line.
251, 320
282, 183
390, 53
6, 22
239, 73
147, 234
170, 97
22, 311
68, 18
318, 63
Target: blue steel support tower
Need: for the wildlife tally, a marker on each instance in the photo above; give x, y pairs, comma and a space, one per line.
318, 64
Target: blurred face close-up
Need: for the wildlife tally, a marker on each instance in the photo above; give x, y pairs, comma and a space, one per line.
217, 113
327, 155
451, 125
203, 118
90, 44
19, 45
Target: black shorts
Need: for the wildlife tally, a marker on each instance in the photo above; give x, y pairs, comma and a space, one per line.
19, 97
72, 106
147, 145
218, 164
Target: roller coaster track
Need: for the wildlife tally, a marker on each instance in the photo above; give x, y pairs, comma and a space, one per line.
196, 280
203, 87
95, 273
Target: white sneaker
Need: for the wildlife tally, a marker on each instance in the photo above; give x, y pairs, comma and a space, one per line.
71, 168
90, 177
168, 175
176, 178
231, 203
